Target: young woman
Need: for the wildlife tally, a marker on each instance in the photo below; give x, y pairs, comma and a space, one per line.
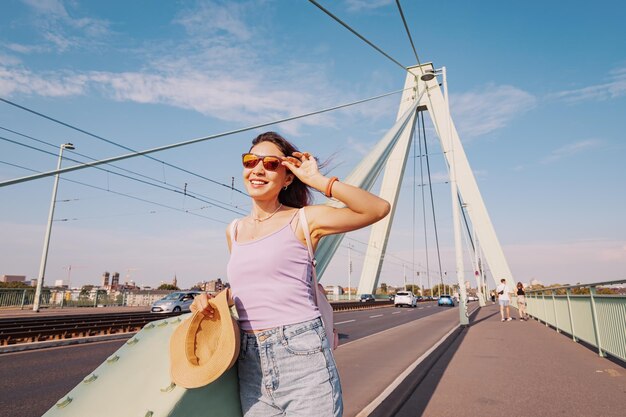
521, 301
286, 366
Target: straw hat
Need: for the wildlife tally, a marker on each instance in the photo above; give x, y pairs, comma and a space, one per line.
202, 348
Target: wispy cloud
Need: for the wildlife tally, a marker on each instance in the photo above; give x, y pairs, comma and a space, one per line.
15, 80
571, 149
224, 68
479, 112
613, 88
357, 5
62, 30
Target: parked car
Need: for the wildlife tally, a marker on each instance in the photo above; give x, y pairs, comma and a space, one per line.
178, 301
419, 299
392, 297
367, 298
445, 300
472, 298
405, 298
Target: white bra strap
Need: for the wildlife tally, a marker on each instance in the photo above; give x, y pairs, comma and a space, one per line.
233, 229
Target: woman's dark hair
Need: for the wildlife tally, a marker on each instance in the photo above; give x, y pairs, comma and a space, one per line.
297, 193
520, 285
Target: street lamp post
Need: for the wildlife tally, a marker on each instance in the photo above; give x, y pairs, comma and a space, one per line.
455, 211
46, 242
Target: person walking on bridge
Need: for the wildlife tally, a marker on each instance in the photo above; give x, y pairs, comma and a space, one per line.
521, 302
286, 366
504, 299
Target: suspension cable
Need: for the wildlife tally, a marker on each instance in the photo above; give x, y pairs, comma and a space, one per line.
319, 6
121, 194
188, 142
408, 32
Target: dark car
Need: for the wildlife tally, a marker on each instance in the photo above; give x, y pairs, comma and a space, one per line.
446, 300
392, 297
420, 298
367, 298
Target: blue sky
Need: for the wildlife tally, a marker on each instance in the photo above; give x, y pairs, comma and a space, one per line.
537, 92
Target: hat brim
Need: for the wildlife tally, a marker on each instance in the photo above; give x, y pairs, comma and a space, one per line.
202, 348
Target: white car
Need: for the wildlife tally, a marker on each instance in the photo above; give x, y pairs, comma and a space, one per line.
175, 302
405, 298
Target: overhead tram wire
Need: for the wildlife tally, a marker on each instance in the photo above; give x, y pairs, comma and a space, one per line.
121, 194
117, 144
183, 191
188, 142
186, 193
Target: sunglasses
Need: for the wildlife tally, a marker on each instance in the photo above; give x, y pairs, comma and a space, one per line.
270, 163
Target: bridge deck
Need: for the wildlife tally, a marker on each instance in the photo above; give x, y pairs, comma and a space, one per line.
516, 368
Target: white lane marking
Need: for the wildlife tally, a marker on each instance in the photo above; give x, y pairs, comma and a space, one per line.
342, 322
428, 306
378, 400
377, 315
396, 312
420, 308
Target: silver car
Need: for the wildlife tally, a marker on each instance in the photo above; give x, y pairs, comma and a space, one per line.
175, 302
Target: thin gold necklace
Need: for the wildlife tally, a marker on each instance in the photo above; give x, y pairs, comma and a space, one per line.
259, 219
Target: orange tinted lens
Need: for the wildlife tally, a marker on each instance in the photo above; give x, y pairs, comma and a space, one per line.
249, 160
271, 163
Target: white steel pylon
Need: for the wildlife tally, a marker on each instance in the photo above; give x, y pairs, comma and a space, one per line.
434, 102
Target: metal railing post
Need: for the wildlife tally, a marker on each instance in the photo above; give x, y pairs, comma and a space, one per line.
23, 299
545, 312
556, 318
95, 300
568, 292
594, 317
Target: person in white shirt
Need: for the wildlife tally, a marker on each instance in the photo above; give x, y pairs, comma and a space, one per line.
504, 300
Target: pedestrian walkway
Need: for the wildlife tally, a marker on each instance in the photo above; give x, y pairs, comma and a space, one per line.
514, 368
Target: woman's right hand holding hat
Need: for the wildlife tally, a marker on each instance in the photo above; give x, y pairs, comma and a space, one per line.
201, 304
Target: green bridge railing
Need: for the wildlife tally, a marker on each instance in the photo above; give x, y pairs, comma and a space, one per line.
585, 314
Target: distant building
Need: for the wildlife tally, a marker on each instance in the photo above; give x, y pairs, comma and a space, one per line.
13, 278
145, 297
115, 280
59, 283
534, 282
105, 280
213, 286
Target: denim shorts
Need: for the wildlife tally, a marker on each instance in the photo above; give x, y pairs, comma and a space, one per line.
504, 303
289, 371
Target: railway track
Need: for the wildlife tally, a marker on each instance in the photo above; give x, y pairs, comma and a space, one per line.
19, 330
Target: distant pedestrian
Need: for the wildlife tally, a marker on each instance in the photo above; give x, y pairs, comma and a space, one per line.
504, 300
493, 296
521, 302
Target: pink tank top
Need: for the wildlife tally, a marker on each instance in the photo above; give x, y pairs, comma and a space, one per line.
270, 280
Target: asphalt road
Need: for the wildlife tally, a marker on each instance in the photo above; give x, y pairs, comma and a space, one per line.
33, 381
